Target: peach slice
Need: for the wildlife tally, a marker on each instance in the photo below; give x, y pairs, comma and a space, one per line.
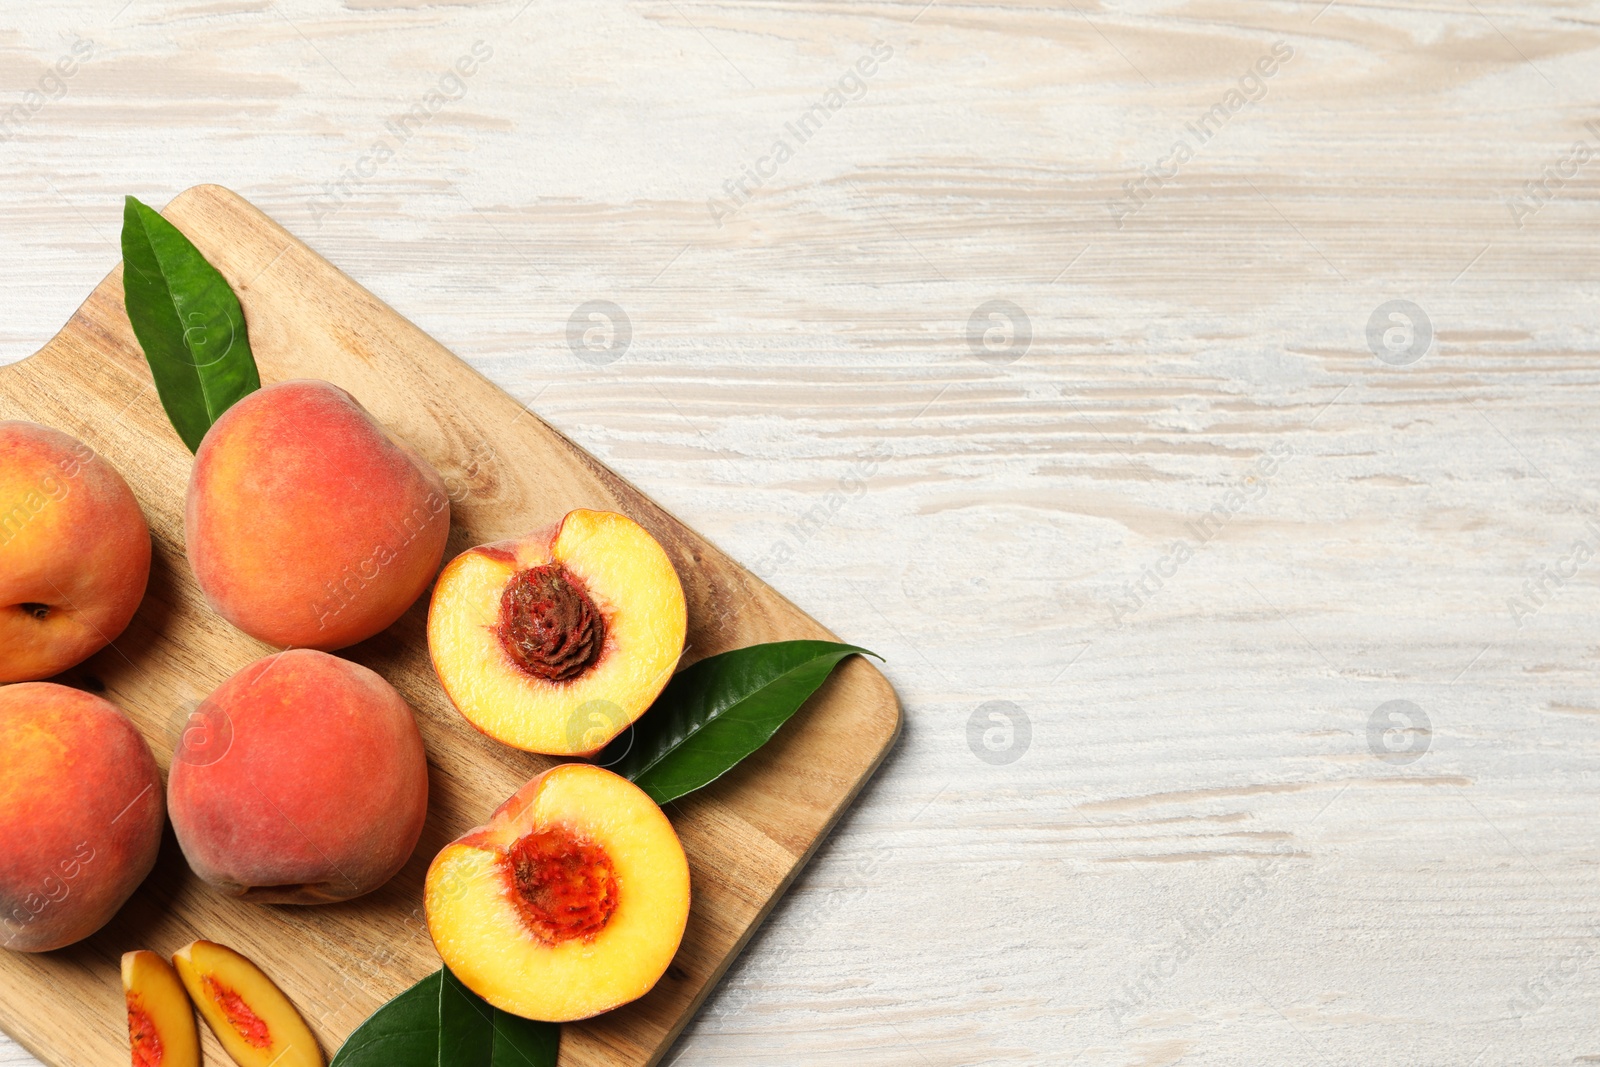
557, 643
161, 1029
251, 1017
571, 901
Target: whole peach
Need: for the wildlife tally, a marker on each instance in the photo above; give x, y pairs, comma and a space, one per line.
307, 525
80, 814
309, 783
74, 552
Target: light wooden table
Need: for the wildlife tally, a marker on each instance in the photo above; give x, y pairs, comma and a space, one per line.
963, 370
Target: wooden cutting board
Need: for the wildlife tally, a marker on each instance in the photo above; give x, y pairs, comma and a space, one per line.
508, 473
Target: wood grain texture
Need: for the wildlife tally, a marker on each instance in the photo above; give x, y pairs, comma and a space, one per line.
801, 376
508, 473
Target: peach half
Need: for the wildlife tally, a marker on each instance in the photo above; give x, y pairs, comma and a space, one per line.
307, 525
571, 901
310, 786
80, 814
254, 1022
557, 643
161, 1030
74, 552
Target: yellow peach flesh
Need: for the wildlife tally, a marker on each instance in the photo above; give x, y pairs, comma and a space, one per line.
630, 580
479, 929
253, 1020
161, 1028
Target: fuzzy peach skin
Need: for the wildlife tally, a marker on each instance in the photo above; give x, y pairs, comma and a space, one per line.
80, 814
313, 785
307, 525
74, 552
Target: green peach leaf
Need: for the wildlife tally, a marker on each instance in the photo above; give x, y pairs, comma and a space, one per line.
715, 713
402, 1033
187, 320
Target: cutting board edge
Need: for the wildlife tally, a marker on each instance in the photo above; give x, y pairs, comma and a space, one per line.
801, 863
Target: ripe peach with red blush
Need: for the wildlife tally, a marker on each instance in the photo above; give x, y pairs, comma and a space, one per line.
307, 524
74, 552
80, 814
311, 787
